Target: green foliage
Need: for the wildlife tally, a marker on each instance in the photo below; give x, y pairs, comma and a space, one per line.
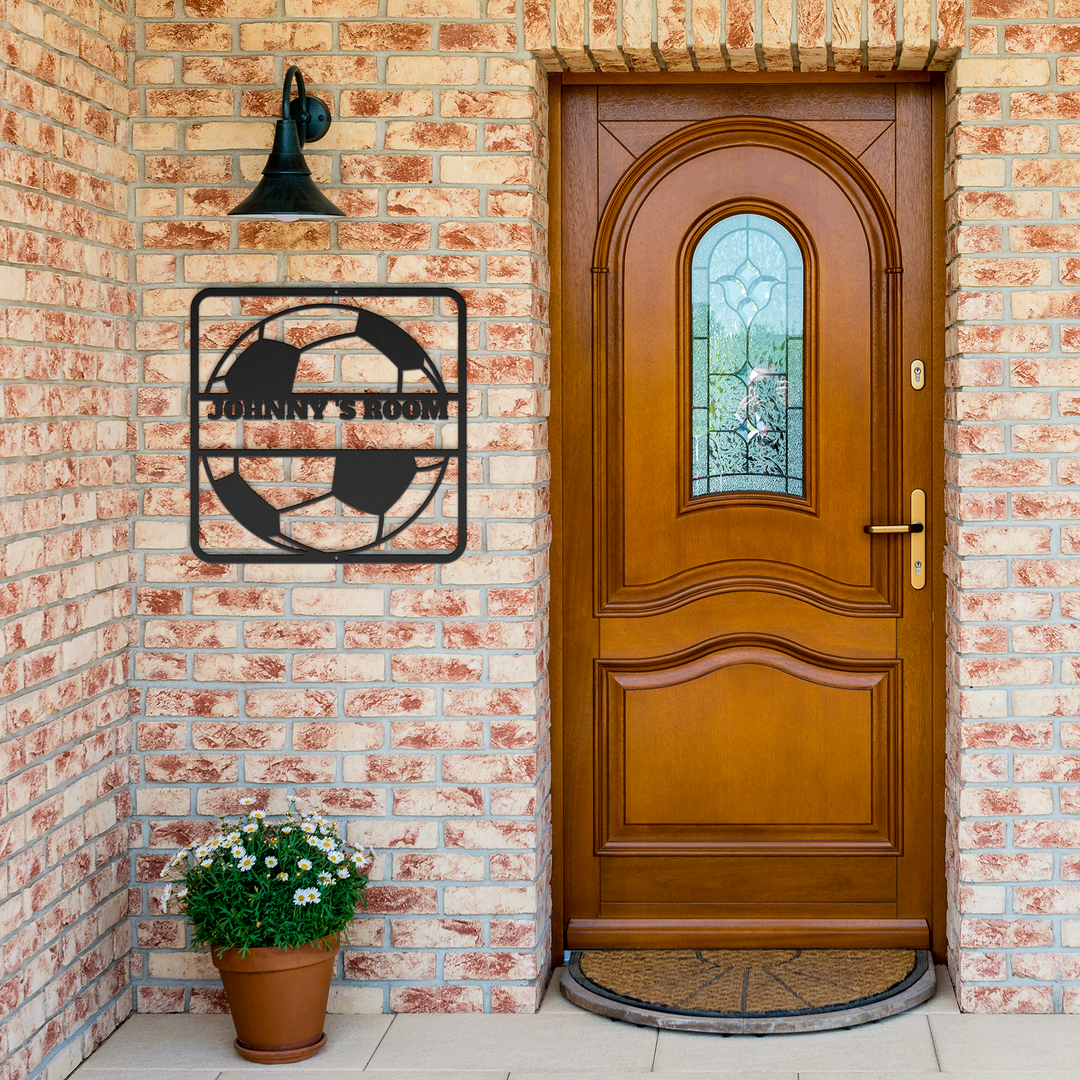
260, 883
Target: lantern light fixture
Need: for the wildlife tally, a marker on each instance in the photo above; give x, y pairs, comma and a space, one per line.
286, 191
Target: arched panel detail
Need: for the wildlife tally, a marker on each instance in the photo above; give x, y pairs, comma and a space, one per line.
615, 597
772, 748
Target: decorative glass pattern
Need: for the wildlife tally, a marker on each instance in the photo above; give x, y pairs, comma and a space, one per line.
747, 297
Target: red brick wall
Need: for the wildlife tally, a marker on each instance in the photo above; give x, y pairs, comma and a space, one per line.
1012, 377
410, 703
1011, 438
68, 375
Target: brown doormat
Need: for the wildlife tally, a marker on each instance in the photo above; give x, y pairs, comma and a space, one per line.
750, 990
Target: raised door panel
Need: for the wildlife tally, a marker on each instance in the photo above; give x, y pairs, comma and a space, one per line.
748, 745
768, 747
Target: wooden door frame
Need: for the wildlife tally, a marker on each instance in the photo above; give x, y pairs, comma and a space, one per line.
936, 501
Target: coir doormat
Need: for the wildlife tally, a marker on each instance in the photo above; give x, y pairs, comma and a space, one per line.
750, 990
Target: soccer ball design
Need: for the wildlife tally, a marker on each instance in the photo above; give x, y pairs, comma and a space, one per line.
315, 501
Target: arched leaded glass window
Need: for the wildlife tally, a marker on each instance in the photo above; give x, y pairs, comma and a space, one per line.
747, 297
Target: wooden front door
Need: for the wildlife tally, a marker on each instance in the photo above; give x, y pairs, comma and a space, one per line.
749, 678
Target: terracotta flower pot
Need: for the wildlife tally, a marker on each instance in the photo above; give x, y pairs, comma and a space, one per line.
278, 999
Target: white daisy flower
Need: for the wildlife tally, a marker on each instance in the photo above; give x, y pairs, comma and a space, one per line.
207, 862
325, 843
325, 879
343, 872
304, 864
247, 802
232, 837
306, 896
165, 897
251, 826
258, 815
283, 876
247, 862
201, 851
336, 857
270, 861
181, 893
238, 851
287, 829
308, 827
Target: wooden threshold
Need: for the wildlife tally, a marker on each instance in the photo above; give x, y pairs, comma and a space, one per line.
747, 934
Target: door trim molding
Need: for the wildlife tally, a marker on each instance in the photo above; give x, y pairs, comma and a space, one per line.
563, 218
747, 934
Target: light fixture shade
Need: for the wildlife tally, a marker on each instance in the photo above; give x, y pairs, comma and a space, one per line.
286, 190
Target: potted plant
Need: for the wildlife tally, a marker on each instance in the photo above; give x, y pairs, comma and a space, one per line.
271, 899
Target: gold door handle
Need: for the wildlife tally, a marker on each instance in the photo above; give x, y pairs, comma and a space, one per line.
917, 529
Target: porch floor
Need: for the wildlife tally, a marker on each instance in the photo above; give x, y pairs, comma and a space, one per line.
930, 1040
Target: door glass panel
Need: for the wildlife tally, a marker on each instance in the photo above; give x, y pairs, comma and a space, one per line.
747, 349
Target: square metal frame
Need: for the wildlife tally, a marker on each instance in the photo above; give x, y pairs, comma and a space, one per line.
459, 397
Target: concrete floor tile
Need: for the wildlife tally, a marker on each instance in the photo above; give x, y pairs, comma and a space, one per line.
427, 1074
359, 1074
156, 1042
91, 1073
899, 1044
553, 1001
982, 1043
944, 999
1012, 1075
558, 1044
718, 1075
832, 1074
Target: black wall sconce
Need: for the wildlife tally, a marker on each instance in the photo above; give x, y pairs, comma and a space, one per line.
286, 191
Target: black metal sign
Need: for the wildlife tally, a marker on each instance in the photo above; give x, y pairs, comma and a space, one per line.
328, 425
